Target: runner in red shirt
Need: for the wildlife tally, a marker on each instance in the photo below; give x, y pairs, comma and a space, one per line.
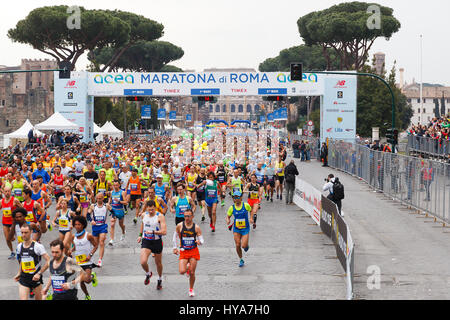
8, 204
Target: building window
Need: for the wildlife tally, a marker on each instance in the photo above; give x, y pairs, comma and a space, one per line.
31, 83
241, 108
257, 108
224, 108
409, 100
428, 118
3, 102
210, 108
217, 108
424, 111
418, 100
418, 110
7, 122
249, 108
424, 100
40, 84
233, 108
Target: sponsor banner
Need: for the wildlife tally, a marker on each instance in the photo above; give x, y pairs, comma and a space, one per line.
329, 209
262, 119
146, 112
161, 114
280, 114
172, 115
308, 198
270, 118
338, 112
73, 103
189, 117
203, 83
339, 237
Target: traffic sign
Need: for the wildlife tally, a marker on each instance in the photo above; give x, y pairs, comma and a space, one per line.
310, 123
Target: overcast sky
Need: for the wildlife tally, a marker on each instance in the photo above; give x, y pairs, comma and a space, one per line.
243, 33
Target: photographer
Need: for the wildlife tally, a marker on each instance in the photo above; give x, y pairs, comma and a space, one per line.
335, 195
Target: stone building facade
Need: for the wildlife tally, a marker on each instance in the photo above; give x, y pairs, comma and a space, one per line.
27, 95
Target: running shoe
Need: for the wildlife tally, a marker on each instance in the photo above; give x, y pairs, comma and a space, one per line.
99, 263
111, 242
12, 256
191, 293
94, 279
271, 199
281, 197
147, 278
135, 220
241, 263
122, 237
222, 203
254, 225
49, 226
87, 297
213, 229
49, 296
278, 196
159, 285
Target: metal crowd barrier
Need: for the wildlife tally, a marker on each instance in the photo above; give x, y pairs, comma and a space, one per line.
420, 183
432, 147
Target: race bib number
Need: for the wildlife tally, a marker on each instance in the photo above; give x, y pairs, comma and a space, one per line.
134, 187
188, 242
211, 193
149, 236
190, 185
240, 223
254, 195
29, 217
18, 192
100, 219
28, 265
57, 282
83, 198
7, 213
81, 259
63, 223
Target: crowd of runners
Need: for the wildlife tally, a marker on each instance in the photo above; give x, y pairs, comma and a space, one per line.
75, 196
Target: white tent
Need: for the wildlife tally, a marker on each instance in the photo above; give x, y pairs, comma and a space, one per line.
22, 132
98, 130
57, 122
110, 129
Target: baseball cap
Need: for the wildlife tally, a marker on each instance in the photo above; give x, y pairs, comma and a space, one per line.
159, 176
237, 194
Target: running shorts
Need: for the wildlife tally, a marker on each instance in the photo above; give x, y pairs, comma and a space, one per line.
211, 201
252, 202
96, 230
188, 254
27, 281
242, 232
134, 197
200, 196
155, 246
281, 179
178, 220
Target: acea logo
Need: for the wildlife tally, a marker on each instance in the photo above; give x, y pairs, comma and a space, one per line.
109, 78
310, 77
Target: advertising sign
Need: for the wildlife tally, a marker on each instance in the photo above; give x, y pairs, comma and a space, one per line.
146, 112
189, 117
308, 198
161, 114
203, 83
172, 115
73, 103
338, 112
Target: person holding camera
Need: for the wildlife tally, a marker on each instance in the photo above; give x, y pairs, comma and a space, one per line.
336, 189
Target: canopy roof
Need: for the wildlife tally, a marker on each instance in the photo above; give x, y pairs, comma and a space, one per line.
22, 132
57, 122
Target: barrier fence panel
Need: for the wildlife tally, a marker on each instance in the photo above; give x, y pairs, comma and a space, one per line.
420, 183
433, 147
325, 213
